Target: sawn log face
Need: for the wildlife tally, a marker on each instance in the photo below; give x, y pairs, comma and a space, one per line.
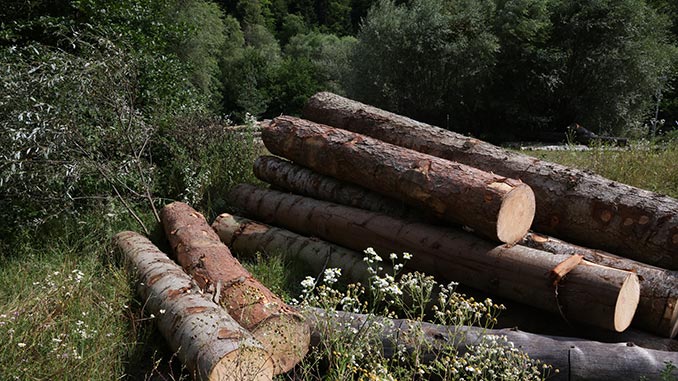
497, 207
658, 307
577, 206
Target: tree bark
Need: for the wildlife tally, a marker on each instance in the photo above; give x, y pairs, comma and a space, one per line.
497, 207
206, 339
280, 328
576, 359
285, 175
591, 294
658, 307
248, 237
574, 205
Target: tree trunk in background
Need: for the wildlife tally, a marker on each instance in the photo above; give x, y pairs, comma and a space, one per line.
248, 237
575, 359
590, 294
658, 307
296, 179
206, 339
277, 326
574, 205
497, 207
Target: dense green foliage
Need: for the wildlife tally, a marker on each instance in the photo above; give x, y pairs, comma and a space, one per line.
516, 65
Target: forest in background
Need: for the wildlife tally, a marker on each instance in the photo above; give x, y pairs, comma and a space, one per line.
126, 98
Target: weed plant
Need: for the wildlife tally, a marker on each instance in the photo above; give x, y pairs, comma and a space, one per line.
352, 347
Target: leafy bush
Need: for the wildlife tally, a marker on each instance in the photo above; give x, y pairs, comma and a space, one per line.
515, 65
426, 59
86, 90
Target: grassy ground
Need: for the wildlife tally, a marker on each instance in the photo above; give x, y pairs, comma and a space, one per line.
642, 165
67, 310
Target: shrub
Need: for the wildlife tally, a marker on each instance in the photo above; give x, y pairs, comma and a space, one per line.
426, 59
355, 350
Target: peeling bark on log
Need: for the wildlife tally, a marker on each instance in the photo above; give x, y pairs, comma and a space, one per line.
576, 359
497, 207
296, 179
206, 339
658, 307
574, 205
249, 237
590, 294
280, 328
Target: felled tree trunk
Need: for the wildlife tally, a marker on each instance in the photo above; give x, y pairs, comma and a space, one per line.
574, 205
496, 207
658, 307
249, 237
575, 359
280, 328
591, 294
206, 339
294, 178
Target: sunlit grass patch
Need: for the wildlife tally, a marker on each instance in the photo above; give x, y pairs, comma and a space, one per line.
642, 165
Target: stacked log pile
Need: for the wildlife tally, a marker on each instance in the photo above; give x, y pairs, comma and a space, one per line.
573, 205
463, 208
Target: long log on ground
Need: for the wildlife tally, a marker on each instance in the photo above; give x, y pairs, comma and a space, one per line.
296, 179
249, 237
590, 294
658, 307
575, 359
497, 207
206, 339
280, 328
574, 205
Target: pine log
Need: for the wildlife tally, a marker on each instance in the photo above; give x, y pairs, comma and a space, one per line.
279, 327
206, 339
590, 294
288, 176
497, 207
658, 307
248, 237
575, 359
577, 206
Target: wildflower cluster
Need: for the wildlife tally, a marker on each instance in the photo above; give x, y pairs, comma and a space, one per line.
50, 324
355, 322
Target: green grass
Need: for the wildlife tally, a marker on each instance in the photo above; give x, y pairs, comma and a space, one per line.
642, 165
64, 305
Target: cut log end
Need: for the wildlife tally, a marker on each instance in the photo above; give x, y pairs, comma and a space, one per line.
627, 303
516, 214
286, 339
247, 364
